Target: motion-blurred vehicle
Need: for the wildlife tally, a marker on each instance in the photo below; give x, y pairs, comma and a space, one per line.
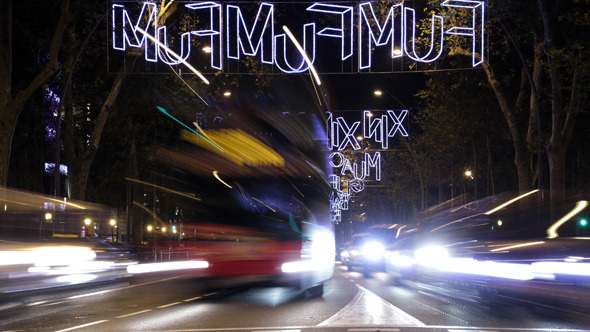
248, 199
366, 250
506, 248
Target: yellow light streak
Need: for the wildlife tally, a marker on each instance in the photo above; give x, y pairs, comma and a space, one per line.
215, 174
552, 230
188, 195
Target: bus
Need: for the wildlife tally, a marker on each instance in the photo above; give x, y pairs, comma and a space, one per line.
248, 197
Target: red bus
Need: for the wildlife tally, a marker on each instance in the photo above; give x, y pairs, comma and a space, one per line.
248, 200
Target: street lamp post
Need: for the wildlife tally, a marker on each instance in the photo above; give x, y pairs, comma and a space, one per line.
113, 223
87, 222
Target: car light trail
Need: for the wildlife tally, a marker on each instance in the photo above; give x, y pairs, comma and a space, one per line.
166, 266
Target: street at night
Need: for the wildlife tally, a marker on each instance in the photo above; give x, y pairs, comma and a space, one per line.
292, 166
351, 302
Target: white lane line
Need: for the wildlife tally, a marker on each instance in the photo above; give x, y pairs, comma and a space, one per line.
121, 288
82, 326
192, 299
368, 309
134, 313
168, 305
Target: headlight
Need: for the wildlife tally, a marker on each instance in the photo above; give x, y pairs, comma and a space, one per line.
373, 250
432, 256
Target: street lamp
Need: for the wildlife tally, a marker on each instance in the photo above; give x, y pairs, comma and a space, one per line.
87, 222
469, 174
380, 93
113, 222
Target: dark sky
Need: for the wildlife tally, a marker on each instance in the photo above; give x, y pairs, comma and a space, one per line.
355, 91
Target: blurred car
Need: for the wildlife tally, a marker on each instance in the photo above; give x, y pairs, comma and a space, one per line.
504, 250
366, 250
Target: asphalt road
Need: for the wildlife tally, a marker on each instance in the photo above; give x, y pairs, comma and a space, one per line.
350, 303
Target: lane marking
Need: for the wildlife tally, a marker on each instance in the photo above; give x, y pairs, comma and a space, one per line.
82, 326
369, 309
168, 305
134, 313
192, 299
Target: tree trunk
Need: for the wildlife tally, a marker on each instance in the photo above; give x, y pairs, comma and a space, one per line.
85, 161
563, 117
521, 154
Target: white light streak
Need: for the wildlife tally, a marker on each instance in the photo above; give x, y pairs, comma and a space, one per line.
303, 54
511, 201
520, 245
173, 54
166, 266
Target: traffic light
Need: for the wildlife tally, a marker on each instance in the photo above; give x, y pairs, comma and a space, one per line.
583, 222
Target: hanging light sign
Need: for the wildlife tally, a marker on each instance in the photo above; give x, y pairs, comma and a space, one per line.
230, 31
344, 139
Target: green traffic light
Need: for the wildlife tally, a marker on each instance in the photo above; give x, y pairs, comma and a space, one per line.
583, 222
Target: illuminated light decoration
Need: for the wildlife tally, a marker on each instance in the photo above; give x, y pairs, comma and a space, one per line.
346, 24
410, 48
306, 63
214, 31
397, 125
552, 230
256, 38
475, 31
125, 31
170, 52
374, 127
185, 48
240, 37
375, 162
379, 35
349, 176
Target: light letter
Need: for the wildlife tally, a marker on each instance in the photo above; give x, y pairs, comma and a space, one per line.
281, 50
373, 162
475, 31
410, 48
185, 47
370, 31
213, 30
397, 123
346, 25
125, 32
250, 41
348, 134
376, 128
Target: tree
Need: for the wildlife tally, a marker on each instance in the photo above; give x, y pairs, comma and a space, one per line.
565, 46
14, 95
